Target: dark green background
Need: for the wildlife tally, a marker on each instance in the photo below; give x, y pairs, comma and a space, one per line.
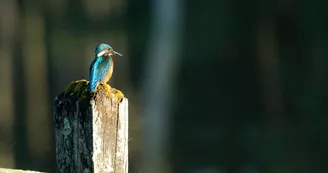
251, 94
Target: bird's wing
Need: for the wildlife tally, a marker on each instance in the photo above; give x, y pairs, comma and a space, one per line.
94, 75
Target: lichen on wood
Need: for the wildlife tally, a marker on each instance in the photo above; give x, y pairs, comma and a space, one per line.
91, 133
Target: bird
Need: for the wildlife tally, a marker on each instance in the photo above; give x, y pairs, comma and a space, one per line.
101, 68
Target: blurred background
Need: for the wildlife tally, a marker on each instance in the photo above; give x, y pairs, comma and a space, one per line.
214, 86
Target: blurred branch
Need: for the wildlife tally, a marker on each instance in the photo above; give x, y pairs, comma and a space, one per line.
160, 75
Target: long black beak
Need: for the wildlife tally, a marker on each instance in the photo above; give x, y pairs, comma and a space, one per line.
116, 53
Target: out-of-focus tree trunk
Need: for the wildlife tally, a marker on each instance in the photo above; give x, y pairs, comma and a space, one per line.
271, 91
8, 26
37, 109
158, 87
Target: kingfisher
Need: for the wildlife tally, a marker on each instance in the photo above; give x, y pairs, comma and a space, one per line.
101, 68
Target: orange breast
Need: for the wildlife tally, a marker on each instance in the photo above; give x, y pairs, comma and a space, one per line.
110, 72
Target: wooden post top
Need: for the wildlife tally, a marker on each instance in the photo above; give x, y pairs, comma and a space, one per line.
91, 133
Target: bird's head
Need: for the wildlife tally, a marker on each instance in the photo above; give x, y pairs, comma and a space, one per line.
105, 50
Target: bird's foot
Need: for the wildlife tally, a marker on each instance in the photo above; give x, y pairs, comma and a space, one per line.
106, 87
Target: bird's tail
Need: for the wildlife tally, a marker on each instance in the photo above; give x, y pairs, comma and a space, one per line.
92, 86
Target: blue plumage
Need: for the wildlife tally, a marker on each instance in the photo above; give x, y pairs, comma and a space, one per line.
101, 47
102, 66
94, 74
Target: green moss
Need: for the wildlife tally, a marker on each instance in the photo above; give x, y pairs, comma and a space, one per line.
79, 89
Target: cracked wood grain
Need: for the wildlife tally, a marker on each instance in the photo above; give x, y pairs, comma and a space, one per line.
91, 135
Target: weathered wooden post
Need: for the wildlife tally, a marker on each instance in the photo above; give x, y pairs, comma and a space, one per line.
91, 133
